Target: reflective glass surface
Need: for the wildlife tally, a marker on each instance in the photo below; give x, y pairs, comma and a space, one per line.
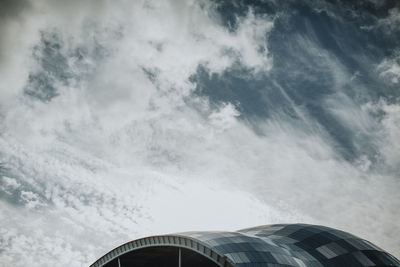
294, 245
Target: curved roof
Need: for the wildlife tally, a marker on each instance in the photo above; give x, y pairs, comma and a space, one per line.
270, 245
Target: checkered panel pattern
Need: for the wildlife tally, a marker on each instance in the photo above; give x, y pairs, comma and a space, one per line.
294, 245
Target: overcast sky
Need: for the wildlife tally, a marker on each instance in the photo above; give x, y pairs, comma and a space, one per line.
123, 119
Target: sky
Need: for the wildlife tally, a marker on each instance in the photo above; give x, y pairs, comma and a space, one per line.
124, 119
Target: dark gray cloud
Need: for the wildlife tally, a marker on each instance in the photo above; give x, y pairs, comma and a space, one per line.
13, 9
11, 12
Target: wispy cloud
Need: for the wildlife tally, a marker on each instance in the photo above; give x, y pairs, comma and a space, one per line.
104, 137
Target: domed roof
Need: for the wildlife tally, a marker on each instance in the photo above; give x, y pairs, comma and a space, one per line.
270, 245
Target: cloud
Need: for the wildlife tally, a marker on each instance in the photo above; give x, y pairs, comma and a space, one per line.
97, 125
389, 128
389, 69
12, 15
105, 140
13, 39
391, 23
10, 183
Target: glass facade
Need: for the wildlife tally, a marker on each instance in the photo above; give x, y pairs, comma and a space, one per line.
270, 245
295, 245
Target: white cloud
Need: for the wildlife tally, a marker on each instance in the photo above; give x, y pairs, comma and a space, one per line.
31, 199
225, 117
104, 157
390, 69
391, 23
389, 132
10, 182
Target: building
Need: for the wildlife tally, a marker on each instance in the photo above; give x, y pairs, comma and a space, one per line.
268, 245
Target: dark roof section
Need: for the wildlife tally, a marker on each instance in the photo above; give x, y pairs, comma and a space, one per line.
174, 240
270, 245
